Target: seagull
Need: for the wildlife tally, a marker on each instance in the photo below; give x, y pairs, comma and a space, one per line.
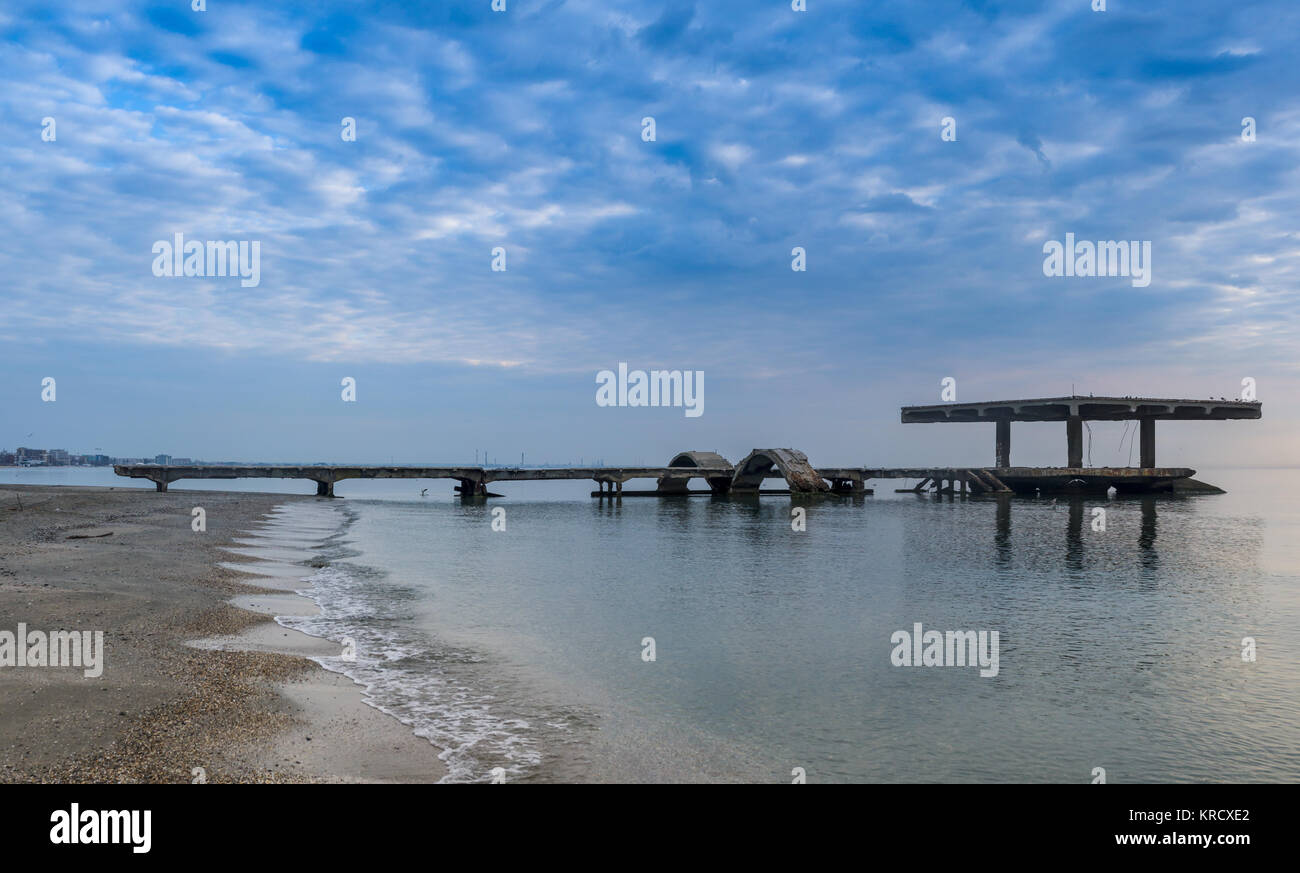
424, 491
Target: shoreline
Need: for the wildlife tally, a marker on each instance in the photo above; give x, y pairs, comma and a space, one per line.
256, 710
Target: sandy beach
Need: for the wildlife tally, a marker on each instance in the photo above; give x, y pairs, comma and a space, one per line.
255, 709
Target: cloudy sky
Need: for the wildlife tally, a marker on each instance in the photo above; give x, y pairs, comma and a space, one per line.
523, 129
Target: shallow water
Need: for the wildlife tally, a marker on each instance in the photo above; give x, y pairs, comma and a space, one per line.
522, 648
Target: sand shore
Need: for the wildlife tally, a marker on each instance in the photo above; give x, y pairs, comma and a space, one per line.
162, 708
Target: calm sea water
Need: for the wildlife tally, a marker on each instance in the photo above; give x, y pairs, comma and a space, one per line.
523, 648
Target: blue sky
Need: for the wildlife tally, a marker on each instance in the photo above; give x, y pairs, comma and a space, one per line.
522, 129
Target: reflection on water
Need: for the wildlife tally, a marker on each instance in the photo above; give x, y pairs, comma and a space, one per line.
1147, 539
1119, 648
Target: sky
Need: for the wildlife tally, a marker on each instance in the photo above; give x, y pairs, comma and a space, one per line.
523, 131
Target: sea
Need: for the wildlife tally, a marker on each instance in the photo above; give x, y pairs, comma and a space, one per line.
550, 636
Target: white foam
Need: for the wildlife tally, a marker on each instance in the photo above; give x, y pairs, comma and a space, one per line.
403, 674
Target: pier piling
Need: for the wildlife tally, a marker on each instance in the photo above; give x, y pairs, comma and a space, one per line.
1147, 443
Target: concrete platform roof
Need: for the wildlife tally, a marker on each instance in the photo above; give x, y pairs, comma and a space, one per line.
1089, 408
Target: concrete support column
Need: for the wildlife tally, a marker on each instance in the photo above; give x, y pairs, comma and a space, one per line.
160, 485
1147, 442
468, 488
1004, 444
324, 489
1074, 441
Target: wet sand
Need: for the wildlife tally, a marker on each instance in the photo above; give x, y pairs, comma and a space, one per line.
255, 710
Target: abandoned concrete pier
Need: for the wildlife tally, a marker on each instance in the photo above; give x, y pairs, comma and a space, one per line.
721, 476
1074, 411
791, 465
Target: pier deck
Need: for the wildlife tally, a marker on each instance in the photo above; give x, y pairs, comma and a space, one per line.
472, 479
722, 480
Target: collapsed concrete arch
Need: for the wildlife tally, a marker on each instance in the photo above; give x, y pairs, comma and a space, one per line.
792, 464
717, 472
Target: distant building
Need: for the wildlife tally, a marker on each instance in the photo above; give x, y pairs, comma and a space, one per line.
162, 459
7, 458
29, 457
182, 461
58, 458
